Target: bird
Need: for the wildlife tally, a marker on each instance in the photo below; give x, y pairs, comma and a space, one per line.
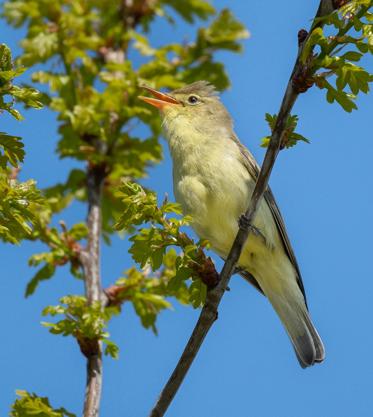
214, 176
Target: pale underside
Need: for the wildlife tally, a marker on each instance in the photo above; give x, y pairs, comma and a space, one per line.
215, 187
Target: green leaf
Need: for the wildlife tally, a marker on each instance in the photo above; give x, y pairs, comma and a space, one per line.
5, 58
45, 273
316, 37
147, 306
29, 96
31, 405
176, 282
198, 292
190, 9
111, 349
224, 32
345, 100
78, 231
290, 137
11, 150
352, 56
157, 258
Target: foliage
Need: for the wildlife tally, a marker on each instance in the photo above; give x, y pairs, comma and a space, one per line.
147, 292
18, 207
19, 201
94, 88
29, 96
82, 54
87, 323
30, 405
338, 54
95, 94
290, 137
64, 248
151, 244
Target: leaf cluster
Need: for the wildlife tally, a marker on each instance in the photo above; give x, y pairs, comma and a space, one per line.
9, 93
147, 292
19, 204
89, 58
87, 323
19, 201
31, 405
64, 248
92, 85
339, 54
290, 137
163, 232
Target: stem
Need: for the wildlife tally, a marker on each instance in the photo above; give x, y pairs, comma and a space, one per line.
94, 386
95, 177
91, 259
210, 309
93, 290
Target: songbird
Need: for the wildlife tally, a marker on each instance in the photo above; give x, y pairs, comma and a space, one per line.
214, 176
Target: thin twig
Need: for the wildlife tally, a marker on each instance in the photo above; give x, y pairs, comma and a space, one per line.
210, 310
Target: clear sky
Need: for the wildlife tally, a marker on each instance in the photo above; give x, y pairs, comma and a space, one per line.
246, 366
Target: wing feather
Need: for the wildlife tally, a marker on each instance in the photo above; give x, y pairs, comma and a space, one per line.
253, 169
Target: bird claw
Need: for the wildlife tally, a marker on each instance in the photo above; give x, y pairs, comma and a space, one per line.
243, 223
238, 270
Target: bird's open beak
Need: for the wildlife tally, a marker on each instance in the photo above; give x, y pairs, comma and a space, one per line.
161, 99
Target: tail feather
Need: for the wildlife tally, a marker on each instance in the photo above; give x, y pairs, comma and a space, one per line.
319, 346
297, 322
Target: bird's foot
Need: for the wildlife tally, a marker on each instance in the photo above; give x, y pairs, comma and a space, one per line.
243, 223
238, 269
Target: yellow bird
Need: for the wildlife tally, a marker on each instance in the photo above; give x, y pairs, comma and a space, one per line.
214, 176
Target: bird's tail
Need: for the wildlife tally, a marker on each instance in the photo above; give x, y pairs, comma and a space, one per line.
294, 315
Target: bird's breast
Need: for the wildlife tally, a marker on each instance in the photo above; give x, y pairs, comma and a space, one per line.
214, 188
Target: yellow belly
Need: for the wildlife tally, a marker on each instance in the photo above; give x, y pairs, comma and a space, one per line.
215, 208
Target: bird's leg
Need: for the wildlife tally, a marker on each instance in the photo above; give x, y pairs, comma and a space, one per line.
238, 270
243, 223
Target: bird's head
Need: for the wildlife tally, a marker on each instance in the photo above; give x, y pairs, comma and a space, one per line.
195, 108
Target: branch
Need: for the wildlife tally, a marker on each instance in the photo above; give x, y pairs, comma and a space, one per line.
209, 311
91, 264
91, 257
96, 175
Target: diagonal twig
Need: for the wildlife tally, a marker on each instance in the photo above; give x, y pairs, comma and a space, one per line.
209, 311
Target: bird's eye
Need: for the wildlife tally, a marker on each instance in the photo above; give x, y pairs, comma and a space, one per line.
193, 100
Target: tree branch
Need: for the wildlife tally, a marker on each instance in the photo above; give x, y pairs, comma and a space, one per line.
91, 265
91, 257
210, 309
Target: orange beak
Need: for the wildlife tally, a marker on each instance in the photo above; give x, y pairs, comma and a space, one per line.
160, 101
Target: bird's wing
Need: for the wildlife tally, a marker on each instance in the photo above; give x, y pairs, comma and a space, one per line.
253, 168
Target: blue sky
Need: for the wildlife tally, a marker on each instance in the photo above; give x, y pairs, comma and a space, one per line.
246, 366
